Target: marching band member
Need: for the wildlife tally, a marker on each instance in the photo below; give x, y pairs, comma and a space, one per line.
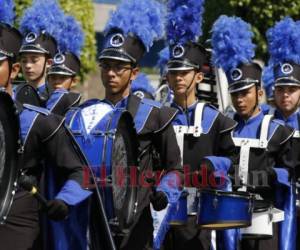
40, 42
263, 141
40, 134
196, 124
129, 33
64, 71
283, 40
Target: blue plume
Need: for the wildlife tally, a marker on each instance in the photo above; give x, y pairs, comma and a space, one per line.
142, 83
43, 16
231, 42
284, 41
7, 13
164, 57
72, 37
184, 22
144, 18
268, 79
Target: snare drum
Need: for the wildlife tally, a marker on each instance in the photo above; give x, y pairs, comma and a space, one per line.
224, 210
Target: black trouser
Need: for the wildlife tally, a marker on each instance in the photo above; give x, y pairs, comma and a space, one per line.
22, 225
141, 236
188, 237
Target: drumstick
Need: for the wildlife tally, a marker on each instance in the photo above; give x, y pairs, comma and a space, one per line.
26, 183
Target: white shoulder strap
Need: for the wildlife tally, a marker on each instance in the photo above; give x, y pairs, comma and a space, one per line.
198, 119
264, 131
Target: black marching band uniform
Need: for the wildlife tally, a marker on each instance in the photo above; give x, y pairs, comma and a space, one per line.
157, 145
264, 142
40, 133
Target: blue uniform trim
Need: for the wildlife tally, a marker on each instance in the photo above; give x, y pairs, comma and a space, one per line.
70, 116
151, 102
55, 98
27, 119
72, 193
209, 116
37, 109
142, 115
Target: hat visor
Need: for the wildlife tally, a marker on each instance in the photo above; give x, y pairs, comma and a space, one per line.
3, 56
31, 48
177, 65
58, 70
115, 54
240, 86
287, 81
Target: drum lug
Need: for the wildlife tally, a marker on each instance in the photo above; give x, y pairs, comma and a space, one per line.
215, 202
114, 222
250, 206
21, 149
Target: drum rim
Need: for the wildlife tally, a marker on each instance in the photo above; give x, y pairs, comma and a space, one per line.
239, 194
256, 236
242, 223
127, 220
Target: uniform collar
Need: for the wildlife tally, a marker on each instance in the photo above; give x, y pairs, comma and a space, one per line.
120, 104
291, 118
253, 119
41, 88
182, 110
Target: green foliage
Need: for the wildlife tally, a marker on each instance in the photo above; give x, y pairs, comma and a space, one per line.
83, 11
261, 14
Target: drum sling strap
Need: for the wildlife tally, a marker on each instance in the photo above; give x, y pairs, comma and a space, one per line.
196, 130
246, 144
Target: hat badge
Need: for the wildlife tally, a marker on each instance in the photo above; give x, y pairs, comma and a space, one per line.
236, 74
178, 51
31, 37
117, 40
287, 68
59, 59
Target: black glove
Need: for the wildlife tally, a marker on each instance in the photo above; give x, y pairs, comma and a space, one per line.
159, 200
57, 210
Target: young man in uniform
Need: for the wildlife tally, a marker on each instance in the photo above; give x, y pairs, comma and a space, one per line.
40, 42
201, 130
126, 40
285, 84
264, 142
63, 74
40, 133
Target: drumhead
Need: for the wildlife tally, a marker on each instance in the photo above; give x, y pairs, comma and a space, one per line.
9, 134
124, 157
239, 194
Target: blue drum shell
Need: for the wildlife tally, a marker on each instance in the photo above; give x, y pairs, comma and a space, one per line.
224, 210
181, 216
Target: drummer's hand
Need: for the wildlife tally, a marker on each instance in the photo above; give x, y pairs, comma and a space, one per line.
159, 200
57, 209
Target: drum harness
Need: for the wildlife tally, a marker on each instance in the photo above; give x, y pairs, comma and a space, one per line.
195, 130
245, 145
